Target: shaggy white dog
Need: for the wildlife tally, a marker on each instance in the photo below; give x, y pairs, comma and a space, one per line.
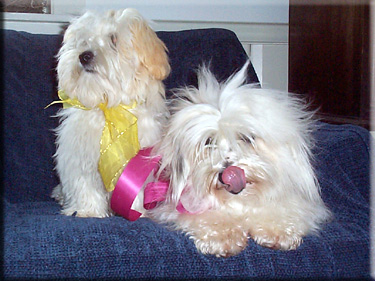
106, 60
239, 163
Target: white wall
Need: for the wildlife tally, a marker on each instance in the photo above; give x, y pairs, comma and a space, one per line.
249, 11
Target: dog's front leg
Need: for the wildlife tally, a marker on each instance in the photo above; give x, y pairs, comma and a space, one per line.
81, 191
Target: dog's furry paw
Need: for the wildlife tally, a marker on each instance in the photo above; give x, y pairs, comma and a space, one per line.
221, 243
57, 194
277, 240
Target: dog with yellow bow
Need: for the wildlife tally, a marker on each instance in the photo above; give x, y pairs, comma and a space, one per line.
110, 71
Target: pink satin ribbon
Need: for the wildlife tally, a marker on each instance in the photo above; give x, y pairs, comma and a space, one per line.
156, 192
132, 181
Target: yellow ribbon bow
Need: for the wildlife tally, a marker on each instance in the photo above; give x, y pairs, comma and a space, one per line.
119, 142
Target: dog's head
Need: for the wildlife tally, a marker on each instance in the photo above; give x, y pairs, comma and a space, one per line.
110, 58
231, 141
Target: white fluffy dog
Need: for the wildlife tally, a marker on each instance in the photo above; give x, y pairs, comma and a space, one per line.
238, 160
113, 58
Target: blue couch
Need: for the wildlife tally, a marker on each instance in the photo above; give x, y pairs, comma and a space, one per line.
41, 243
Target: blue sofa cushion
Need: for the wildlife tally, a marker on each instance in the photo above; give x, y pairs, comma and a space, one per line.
41, 243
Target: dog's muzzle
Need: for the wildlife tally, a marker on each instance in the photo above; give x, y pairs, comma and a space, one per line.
233, 178
86, 59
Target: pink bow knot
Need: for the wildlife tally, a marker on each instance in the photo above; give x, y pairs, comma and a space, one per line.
137, 172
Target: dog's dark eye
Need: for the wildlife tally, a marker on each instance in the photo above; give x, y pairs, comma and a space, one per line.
113, 39
208, 142
247, 139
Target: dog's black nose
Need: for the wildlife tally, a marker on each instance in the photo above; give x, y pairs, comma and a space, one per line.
86, 58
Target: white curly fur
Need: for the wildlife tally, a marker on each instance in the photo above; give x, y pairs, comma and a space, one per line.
265, 133
128, 63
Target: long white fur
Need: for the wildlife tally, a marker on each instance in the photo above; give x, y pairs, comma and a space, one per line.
129, 64
266, 133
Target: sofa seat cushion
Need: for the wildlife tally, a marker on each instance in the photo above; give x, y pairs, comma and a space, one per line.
42, 243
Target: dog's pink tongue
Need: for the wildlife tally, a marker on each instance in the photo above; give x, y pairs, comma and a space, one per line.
235, 179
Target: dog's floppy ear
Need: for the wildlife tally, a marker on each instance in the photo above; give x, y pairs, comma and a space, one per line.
151, 51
